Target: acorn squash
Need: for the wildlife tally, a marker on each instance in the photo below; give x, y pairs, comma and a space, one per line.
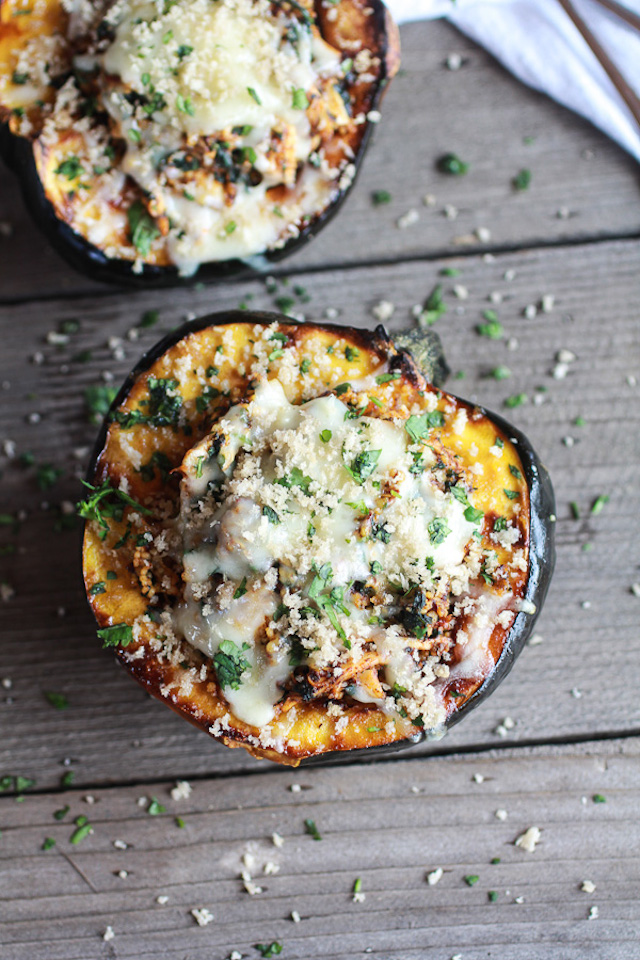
301, 544
158, 142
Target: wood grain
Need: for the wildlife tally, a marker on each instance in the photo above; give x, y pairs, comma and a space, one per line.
113, 732
390, 824
493, 122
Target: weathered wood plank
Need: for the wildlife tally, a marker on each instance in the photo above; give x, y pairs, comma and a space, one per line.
481, 113
113, 731
389, 825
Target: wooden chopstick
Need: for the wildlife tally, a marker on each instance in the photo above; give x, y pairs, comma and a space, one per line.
627, 15
626, 92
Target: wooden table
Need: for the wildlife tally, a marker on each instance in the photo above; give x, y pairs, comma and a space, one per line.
569, 764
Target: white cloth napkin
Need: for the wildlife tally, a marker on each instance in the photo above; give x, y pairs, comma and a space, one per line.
536, 41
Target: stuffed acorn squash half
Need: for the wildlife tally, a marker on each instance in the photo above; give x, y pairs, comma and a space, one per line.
302, 545
159, 138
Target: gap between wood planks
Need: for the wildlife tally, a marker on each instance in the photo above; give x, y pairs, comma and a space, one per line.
555, 746
442, 255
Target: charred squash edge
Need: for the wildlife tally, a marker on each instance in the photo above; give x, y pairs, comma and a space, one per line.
17, 153
541, 505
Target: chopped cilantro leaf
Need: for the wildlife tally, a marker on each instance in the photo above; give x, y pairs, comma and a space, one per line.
270, 514
434, 307
418, 426
71, 168
296, 479
516, 400
163, 406
438, 530
598, 504
120, 634
57, 700
98, 398
452, 164
149, 318
312, 830
241, 589
106, 502
522, 179
492, 329
272, 949
363, 465
47, 476
299, 100
142, 227
80, 833
473, 515
230, 664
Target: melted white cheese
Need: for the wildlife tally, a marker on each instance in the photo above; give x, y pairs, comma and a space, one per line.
210, 67
284, 493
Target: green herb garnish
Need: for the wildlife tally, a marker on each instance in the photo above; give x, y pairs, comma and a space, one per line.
270, 514
598, 504
230, 664
434, 307
312, 830
71, 168
299, 100
241, 589
81, 832
438, 530
418, 426
57, 700
120, 634
269, 949
388, 377
106, 502
363, 465
98, 399
452, 164
142, 227
516, 400
522, 179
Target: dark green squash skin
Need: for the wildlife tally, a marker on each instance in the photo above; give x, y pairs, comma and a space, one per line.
17, 153
542, 554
